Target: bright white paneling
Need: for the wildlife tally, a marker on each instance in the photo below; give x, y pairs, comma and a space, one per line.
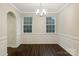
67, 26
3, 45
39, 39
69, 43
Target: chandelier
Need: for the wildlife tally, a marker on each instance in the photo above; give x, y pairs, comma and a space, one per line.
41, 11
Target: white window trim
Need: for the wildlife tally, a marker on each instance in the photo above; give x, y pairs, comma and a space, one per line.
53, 24
25, 24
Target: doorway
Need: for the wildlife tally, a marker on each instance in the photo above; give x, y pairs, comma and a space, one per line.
11, 29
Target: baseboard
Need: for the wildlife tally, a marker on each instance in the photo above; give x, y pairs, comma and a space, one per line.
16, 46
69, 43
4, 54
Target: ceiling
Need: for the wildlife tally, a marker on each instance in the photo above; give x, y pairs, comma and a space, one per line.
31, 7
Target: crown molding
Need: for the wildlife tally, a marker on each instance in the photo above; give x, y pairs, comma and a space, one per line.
62, 8
15, 7
34, 12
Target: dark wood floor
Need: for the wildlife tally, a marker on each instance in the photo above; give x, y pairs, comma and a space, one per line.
38, 50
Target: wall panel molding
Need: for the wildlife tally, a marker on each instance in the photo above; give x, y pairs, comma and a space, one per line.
39, 39
69, 36
3, 46
3, 38
69, 43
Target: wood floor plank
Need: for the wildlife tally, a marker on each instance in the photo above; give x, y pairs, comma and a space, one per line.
38, 50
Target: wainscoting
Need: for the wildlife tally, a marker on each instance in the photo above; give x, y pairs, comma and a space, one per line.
3, 46
69, 43
39, 39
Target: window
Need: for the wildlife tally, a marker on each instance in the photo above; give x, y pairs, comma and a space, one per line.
50, 24
27, 24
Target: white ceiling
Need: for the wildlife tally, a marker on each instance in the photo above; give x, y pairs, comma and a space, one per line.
31, 7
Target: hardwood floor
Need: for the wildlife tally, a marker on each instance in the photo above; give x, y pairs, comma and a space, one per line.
37, 50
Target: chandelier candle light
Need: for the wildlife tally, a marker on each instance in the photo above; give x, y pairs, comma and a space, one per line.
41, 11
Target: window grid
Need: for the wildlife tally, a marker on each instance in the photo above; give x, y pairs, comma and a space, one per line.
27, 24
50, 24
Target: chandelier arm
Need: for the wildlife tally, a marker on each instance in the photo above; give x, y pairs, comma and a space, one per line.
41, 11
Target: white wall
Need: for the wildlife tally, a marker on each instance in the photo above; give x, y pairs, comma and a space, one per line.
68, 29
18, 30
39, 35
4, 9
